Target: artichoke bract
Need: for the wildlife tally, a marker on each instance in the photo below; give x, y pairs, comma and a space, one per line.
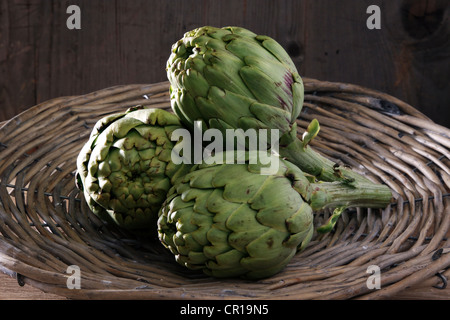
231, 221
125, 168
230, 78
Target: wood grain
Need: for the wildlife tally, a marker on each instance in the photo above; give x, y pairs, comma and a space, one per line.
11, 290
125, 42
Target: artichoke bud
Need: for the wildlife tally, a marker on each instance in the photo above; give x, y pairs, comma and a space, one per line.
248, 68
125, 169
229, 220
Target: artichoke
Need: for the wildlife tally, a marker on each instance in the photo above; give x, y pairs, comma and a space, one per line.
231, 221
125, 169
230, 78
226, 76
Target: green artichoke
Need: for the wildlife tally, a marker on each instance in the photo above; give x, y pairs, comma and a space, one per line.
231, 221
125, 168
231, 78
226, 76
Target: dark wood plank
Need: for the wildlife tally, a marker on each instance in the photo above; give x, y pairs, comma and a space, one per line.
419, 37
10, 290
129, 41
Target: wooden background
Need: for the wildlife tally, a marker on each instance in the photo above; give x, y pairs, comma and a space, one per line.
123, 42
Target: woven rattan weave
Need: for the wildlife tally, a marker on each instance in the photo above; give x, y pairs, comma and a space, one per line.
45, 226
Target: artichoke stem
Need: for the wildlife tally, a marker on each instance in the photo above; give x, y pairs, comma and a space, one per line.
338, 194
312, 162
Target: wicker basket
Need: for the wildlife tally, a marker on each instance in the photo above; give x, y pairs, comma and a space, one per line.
45, 226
